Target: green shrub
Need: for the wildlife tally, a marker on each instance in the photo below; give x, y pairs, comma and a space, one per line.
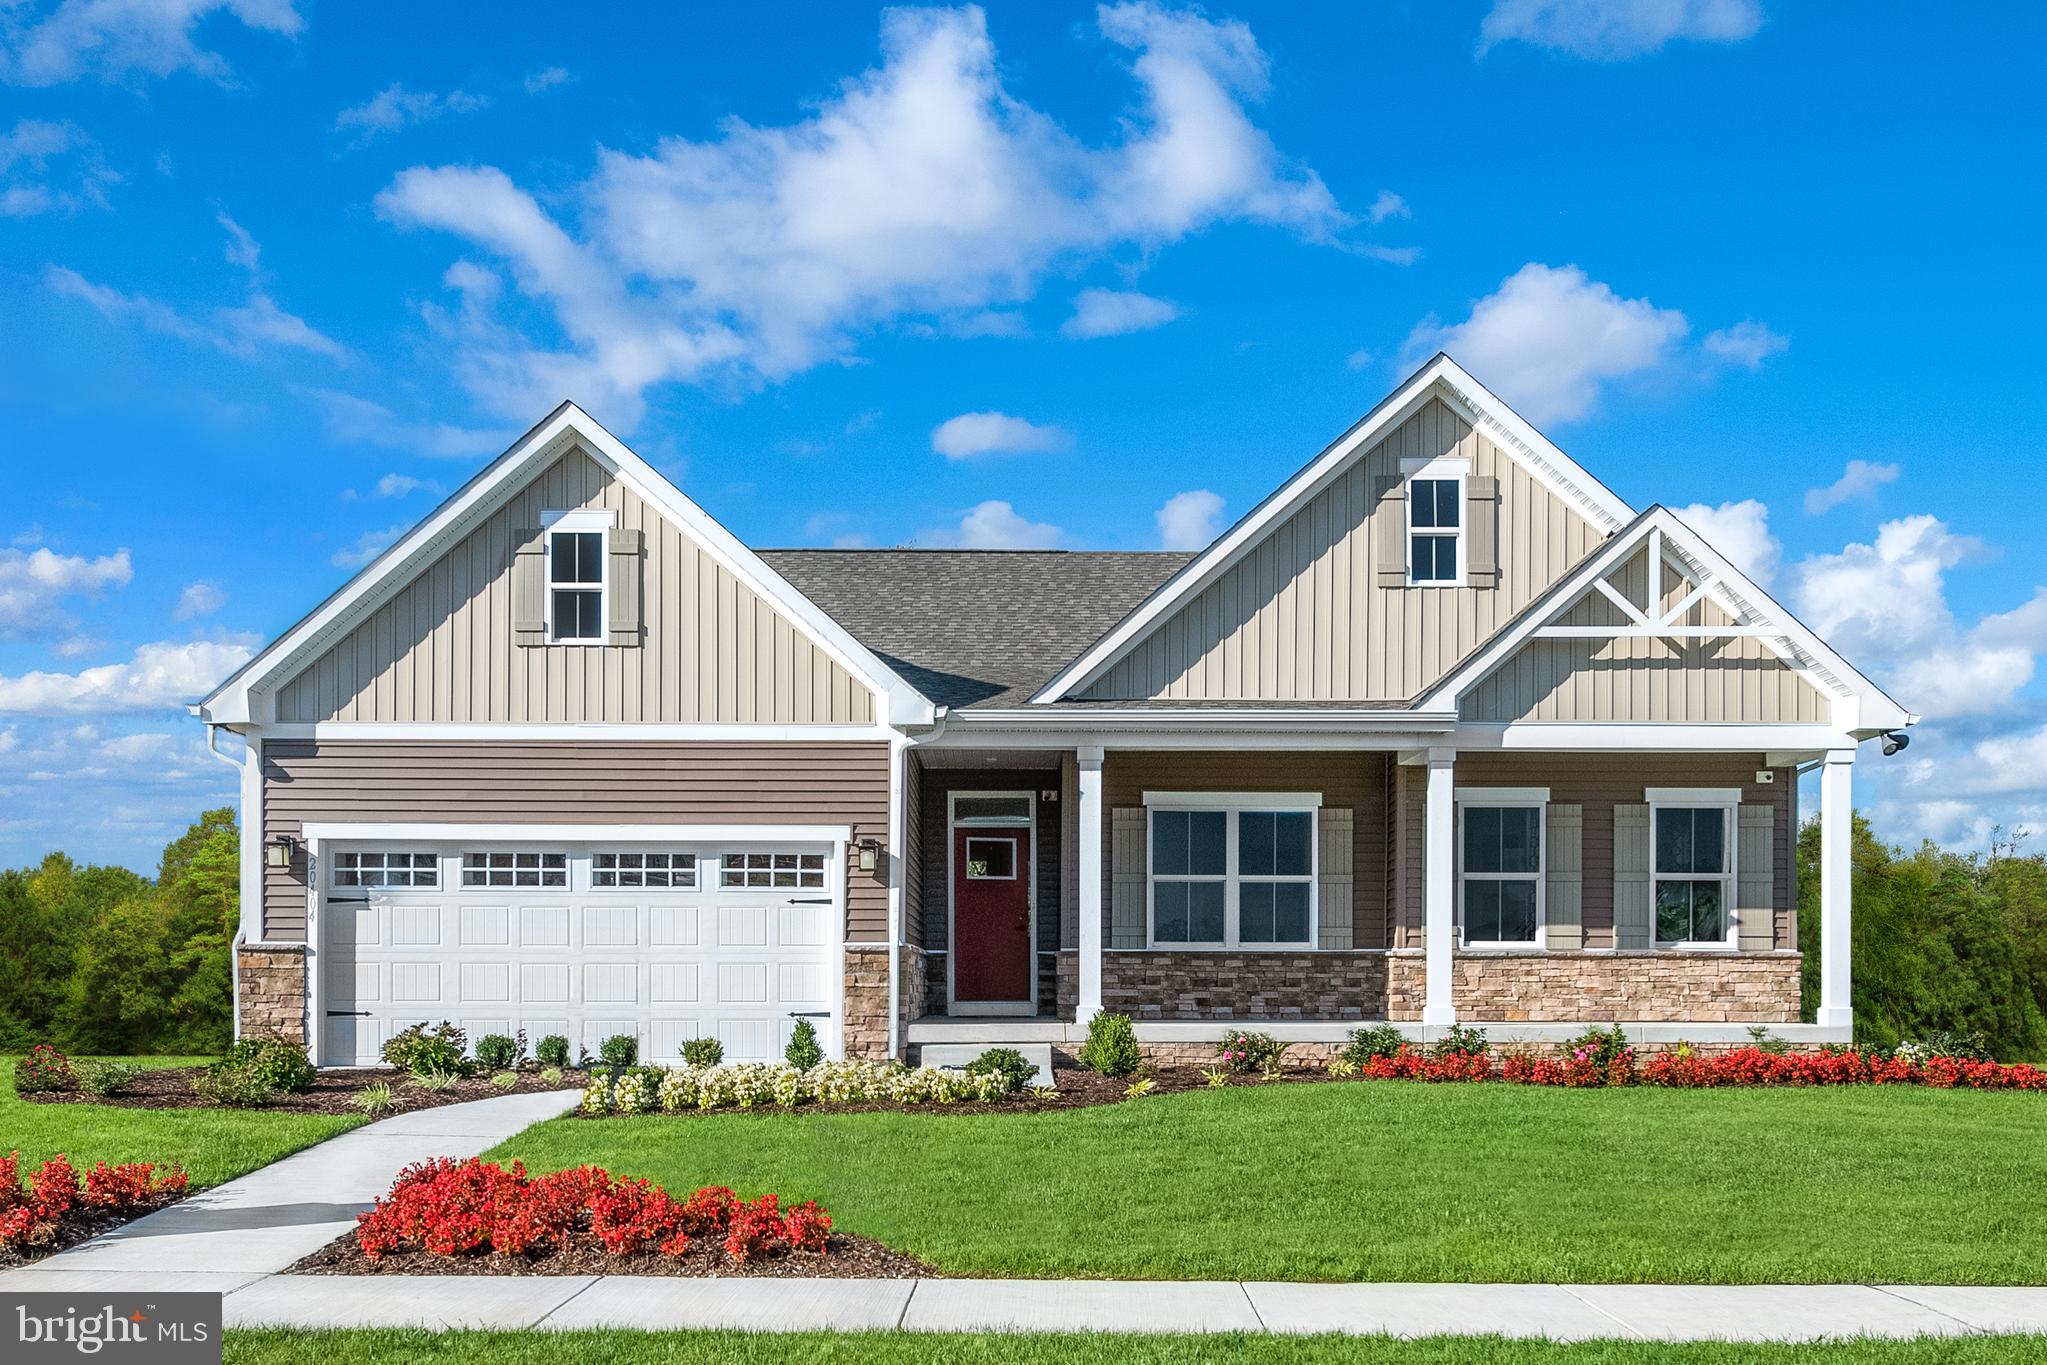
436, 1080
235, 1087
495, 1052
1244, 1052
1006, 1062
505, 1080
803, 1051
620, 1049
43, 1069
1969, 1045
1459, 1041
550, 1075
282, 1065
1601, 1047
373, 1100
1382, 1040
553, 1050
702, 1052
103, 1078
1111, 1046
419, 1050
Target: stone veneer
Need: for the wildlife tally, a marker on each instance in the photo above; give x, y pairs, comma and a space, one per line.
866, 1013
272, 992
1244, 985
917, 985
1066, 993
1636, 987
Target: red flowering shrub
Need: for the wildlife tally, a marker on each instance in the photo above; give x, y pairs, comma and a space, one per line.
1584, 1068
452, 1208
33, 1216
43, 1068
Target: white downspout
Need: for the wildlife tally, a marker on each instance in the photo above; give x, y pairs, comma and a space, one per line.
898, 776
250, 856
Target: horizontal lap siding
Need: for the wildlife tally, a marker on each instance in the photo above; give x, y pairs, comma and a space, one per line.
577, 783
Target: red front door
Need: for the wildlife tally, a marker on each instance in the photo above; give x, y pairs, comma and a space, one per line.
991, 913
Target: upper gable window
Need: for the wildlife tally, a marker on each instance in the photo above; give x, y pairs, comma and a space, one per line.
576, 584
1435, 521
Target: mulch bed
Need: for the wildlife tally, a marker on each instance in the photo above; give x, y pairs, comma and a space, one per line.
332, 1092
856, 1257
79, 1225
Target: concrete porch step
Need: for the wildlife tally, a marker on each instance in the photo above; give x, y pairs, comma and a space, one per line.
958, 1055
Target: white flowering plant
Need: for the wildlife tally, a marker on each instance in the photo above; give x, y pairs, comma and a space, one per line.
760, 1085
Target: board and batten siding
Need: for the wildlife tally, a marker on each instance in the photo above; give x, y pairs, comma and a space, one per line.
1301, 617
1636, 679
1596, 783
712, 651
575, 783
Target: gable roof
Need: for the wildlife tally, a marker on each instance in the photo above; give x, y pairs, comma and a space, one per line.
1442, 379
976, 628
1870, 710
246, 696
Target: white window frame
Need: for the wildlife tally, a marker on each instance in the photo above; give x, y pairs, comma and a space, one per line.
1728, 801
382, 869
739, 862
681, 870
1449, 469
1234, 804
1507, 798
586, 520
488, 885
991, 838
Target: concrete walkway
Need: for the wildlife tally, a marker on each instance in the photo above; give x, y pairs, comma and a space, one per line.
257, 1224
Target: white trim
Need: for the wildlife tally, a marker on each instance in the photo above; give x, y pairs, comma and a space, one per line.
1506, 798
1837, 889
1232, 878
580, 519
569, 523
1235, 800
1440, 377
1726, 800
247, 697
1692, 796
1439, 888
1089, 822
325, 831
1014, 872
499, 732
1566, 736
897, 864
1029, 873
1502, 796
1450, 469
994, 1033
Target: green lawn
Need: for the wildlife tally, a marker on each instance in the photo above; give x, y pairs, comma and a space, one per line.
1395, 1181
211, 1144
731, 1348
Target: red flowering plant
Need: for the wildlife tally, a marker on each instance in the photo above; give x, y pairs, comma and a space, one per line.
43, 1068
34, 1214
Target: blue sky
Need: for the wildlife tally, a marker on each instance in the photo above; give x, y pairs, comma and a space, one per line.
272, 274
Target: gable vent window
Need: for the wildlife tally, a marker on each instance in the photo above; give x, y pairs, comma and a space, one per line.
575, 585
1435, 530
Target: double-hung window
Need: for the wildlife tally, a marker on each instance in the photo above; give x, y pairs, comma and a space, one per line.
1500, 867
1229, 870
575, 577
1435, 520
1692, 867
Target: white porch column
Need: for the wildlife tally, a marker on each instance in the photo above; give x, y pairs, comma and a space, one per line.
1837, 875
1439, 885
1092, 817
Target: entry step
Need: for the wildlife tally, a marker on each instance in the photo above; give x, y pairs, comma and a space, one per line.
957, 1055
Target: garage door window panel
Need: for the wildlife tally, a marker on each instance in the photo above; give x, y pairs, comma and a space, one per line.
677, 871
384, 869
534, 871
773, 870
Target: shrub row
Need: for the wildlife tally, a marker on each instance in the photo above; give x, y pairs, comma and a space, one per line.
33, 1214
446, 1207
758, 1085
1683, 1069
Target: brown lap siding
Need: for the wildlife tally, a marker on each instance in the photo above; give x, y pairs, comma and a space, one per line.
577, 782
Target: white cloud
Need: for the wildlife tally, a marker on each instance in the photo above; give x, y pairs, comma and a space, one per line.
242, 249
242, 332
198, 599
993, 525
367, 547
32, 582
1357, 360
358, 421
1189, 521
1110, 312
159, 675
402, 485
973, 434
1747, 344
547, 78
1549, 337
1858, 481
31, 155
922, 189
1387, 205
1613, 30
113, 38
1741, 532
1885, 600
394, 107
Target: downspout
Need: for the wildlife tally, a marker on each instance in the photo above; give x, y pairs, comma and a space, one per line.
898, 820
234, 949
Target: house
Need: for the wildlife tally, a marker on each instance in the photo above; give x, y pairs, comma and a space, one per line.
1442, 731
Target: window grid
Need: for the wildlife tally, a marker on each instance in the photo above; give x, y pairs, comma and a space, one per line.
803, 871
515, 869
1500, 867
675, 870
382, 868
1260, 890
1434, 527
575, 585
1692, 874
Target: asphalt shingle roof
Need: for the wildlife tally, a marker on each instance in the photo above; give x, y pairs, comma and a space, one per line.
976, 627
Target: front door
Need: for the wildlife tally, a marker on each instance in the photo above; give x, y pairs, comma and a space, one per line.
991, 899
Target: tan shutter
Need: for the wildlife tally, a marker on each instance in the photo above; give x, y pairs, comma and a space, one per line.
1633, 923
1126, 870
529, 588
1389, 534
1755, 886
1482, 531
625, 586
1564, 879
1333, 877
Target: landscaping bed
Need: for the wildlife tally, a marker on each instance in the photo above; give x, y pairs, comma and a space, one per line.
844, 1256
55, 1206
332, 1091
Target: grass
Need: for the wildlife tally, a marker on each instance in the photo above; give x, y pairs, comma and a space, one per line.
733, 1348
1397, 1181
212, 1145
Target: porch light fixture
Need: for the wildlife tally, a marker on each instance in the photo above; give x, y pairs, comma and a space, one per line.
280, 851
869, 849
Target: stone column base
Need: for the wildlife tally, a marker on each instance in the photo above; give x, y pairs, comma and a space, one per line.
865, 1022
273, 992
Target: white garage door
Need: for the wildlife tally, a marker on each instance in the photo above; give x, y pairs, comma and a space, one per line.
665, 943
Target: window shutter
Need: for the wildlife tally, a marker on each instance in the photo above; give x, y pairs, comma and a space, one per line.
1482, 534
1333, 879
624, 626
1389, 533
1126, 867
1755, 886
529, 588
1564, 879
1633, 926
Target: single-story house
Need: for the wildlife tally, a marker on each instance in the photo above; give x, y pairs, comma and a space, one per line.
1442, 731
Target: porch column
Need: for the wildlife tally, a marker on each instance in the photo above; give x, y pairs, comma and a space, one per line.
1439, 886
1093, 815
1837, 872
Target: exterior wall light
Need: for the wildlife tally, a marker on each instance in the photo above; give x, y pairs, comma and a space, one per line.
281, 851
870, 849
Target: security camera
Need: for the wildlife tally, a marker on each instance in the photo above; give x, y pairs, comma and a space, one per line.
1894, 741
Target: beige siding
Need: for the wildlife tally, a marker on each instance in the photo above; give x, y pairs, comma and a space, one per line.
441, 650
1302, 617
577, 783
1647, 680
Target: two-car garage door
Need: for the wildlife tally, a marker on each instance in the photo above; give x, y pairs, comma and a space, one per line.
664, 943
